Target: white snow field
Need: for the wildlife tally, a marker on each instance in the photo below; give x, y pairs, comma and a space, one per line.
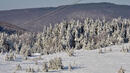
83, 61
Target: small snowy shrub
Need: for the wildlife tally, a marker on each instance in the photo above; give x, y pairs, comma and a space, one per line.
10, 57
44, 67
70, 52
18, 67
125, 50
55, 63
25, 58
29, 69
100, 51
121, 70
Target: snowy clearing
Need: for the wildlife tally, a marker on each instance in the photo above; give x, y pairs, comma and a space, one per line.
83, 61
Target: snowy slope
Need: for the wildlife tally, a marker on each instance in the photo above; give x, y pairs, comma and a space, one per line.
83, 61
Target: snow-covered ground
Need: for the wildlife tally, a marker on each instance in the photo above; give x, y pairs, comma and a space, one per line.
83, 61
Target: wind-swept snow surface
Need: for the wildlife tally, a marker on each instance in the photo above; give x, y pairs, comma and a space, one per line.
83, 61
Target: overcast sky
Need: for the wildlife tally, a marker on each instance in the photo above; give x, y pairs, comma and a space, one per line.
19, 4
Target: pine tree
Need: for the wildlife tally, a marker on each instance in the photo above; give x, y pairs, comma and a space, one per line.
121, 70
44, 67
18, 67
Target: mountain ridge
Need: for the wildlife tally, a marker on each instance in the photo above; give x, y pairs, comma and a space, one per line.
34, 19
10, 28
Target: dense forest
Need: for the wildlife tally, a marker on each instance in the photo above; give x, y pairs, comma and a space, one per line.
88, 34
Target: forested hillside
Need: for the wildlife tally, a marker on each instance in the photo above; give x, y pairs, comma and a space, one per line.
90, 34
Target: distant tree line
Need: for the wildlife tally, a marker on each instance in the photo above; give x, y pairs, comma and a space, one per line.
89, 34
